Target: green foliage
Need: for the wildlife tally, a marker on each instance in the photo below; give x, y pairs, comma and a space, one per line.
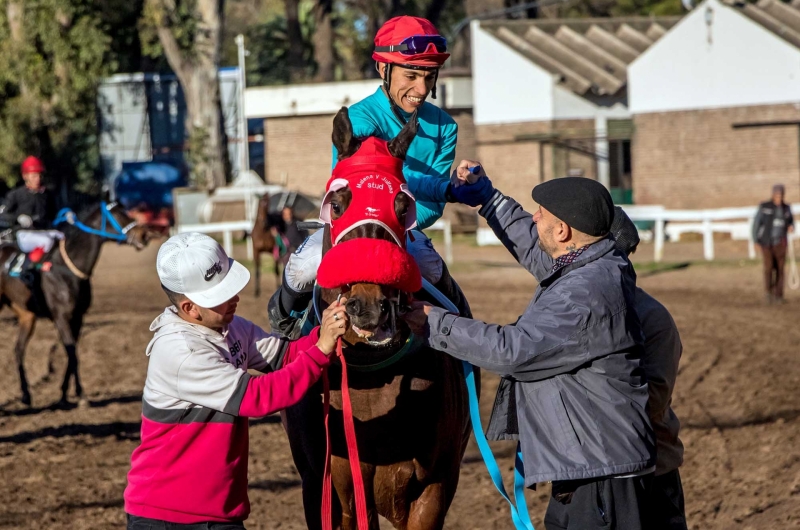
48, 88
182, 23
268, 44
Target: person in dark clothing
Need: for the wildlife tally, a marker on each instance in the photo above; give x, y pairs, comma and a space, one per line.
773, 223
293, 234
662, 354
31, 208
573, 391
31, 205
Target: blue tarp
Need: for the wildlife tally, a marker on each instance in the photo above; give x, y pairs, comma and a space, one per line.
150, 183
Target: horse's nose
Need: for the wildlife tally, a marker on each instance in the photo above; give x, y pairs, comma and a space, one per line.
353, 307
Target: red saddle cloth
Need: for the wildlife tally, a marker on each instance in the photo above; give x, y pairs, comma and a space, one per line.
375, 178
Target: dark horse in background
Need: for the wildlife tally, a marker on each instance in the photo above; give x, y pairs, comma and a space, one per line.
411, 417
64, 293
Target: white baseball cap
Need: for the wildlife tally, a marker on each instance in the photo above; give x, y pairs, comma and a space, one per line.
196, 266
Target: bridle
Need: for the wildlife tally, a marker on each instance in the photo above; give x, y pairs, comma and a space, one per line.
66, 215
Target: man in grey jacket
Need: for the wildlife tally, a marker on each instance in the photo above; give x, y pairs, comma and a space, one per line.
662, 354
573, 391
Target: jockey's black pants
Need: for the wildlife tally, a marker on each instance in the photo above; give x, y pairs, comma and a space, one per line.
603, 503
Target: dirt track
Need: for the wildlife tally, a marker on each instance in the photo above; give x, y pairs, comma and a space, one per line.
737, 397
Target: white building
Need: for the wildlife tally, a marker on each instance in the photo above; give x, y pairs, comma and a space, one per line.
716, 107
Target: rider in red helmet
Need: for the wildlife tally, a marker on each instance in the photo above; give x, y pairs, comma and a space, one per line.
32, 209
409, 52
31, 205
409, 43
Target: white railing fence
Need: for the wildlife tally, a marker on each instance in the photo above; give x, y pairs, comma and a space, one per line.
737, 222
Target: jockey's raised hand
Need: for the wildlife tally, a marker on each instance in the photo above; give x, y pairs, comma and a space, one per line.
470, 185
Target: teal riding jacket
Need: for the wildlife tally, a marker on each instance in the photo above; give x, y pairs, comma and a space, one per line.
430, 157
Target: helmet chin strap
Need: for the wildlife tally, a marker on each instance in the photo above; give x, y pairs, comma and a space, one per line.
387, 84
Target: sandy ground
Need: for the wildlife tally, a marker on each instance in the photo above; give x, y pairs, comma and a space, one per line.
736, 396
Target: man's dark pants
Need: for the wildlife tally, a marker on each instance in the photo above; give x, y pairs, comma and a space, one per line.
143, 523
604, 503
666, 502
774, 261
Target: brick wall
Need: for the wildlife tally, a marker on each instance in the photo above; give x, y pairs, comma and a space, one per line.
298, 149
695, 159
298, 152
515, 167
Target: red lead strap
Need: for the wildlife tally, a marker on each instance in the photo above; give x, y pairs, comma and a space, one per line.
352, 451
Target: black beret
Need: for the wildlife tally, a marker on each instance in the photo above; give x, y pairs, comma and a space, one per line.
584, 204
624, 231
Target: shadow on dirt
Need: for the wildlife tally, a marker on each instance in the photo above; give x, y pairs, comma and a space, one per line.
17, 408
120, 430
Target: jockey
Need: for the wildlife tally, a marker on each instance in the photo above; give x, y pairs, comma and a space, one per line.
32, 208
409, 53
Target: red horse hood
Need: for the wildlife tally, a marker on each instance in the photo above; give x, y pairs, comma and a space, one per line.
375, 178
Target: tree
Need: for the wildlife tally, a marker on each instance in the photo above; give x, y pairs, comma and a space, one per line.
53, 54
189, 32
323, 41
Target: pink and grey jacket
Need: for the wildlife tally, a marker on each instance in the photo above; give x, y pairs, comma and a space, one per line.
191, 465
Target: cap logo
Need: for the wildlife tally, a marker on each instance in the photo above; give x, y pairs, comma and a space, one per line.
213, 271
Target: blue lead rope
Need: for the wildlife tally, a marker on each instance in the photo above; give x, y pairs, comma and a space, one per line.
66, 215
518, 507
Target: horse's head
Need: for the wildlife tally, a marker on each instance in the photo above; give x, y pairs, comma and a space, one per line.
127, 230
368, 210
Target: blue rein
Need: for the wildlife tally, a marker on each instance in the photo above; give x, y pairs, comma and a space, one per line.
66, 215
518, 507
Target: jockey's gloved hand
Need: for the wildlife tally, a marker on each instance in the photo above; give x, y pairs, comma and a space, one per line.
476, 194
25, 221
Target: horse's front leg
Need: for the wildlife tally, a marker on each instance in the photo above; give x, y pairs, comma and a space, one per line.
62, 299
428, 510
343, 486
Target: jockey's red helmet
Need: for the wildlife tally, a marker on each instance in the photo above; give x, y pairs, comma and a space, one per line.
412, 42
32, 165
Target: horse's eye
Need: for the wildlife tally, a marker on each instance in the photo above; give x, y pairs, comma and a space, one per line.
336, 208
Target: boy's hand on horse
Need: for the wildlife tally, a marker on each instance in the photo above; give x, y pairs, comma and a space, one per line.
417, 317
333, 326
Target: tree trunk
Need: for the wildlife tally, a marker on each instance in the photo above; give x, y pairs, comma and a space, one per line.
323, 41
197, 73
295, 58
14, 11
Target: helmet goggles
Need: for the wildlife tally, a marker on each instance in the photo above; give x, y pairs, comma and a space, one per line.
417, 44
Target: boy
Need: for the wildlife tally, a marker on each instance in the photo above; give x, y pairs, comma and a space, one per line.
190, 470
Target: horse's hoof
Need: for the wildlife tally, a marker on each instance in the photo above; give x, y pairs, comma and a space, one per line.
83, 403
63, 403
26, 400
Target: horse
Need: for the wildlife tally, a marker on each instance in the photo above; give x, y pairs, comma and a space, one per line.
265, 240
63, 292
411, 416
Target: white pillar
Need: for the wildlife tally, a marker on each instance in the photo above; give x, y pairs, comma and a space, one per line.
708, 240
227, 242
244, 147
601, 149
659, 240
448, 242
